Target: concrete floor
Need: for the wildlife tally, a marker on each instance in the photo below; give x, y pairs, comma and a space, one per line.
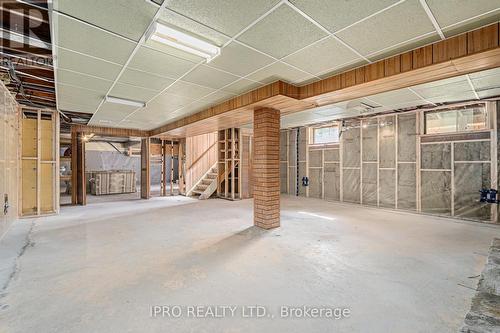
100, 268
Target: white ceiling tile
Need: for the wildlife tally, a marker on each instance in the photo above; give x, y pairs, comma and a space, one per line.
322, 56
242, 86
209, 77
166, 103
83, 38
448, 12
463, 96
228, 17
404, 46
135, 93
129, 18
279, 71
86, 65
82, 80
113, 112
218, 97
158, 63
394, 97
282, 32
489, 93
453, 85
396, 25
144, 80
472, 24
335, 15
197, 29
79, 96
489, 72
189, 90
68, 106
486, 82
240, 60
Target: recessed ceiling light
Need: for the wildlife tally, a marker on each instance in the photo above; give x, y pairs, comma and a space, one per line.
182, 41
123, 101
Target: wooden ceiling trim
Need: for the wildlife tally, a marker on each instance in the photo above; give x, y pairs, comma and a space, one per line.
108, 131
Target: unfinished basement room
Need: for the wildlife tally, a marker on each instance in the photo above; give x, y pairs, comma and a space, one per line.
240, 166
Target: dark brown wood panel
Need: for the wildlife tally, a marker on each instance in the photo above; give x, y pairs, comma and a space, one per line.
482, 39
451, 48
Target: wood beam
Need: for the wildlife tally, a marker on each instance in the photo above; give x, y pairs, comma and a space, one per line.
470, 52
109, 131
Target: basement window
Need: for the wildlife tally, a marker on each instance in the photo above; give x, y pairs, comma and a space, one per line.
451, 121
325, 135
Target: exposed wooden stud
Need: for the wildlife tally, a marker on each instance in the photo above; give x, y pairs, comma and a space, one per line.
145, 169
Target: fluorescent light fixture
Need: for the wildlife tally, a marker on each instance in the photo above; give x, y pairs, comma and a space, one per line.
123, 101
182, 41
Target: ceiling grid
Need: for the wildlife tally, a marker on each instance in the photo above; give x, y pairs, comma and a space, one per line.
175, 84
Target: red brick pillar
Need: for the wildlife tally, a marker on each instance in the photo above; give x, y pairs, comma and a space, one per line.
266, 168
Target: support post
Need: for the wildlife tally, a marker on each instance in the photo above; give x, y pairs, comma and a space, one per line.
180, 160
145, 171
171, 167
266, 168
163, 169
78, 184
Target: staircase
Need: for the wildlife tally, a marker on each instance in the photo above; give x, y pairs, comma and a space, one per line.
206, 186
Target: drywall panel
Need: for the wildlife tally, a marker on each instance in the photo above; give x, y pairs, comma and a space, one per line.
436, 156
387, 142
436, 192
332, 155
469, 179
332, 181
315, 158
315, 183
370, 183
407, 137
351, 146
472, 151
407, 185
369, 129
387, 190
29, 180
350, 185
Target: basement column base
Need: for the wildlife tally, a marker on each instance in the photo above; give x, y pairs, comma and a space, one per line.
266, 168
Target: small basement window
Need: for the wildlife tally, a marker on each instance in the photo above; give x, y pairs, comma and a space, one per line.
324, 135
451, 121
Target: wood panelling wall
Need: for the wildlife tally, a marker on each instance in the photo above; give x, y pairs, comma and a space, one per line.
201, 155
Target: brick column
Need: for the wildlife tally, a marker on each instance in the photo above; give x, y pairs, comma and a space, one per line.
266, 168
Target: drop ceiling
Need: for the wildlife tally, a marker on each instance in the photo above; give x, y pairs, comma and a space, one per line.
100, 50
